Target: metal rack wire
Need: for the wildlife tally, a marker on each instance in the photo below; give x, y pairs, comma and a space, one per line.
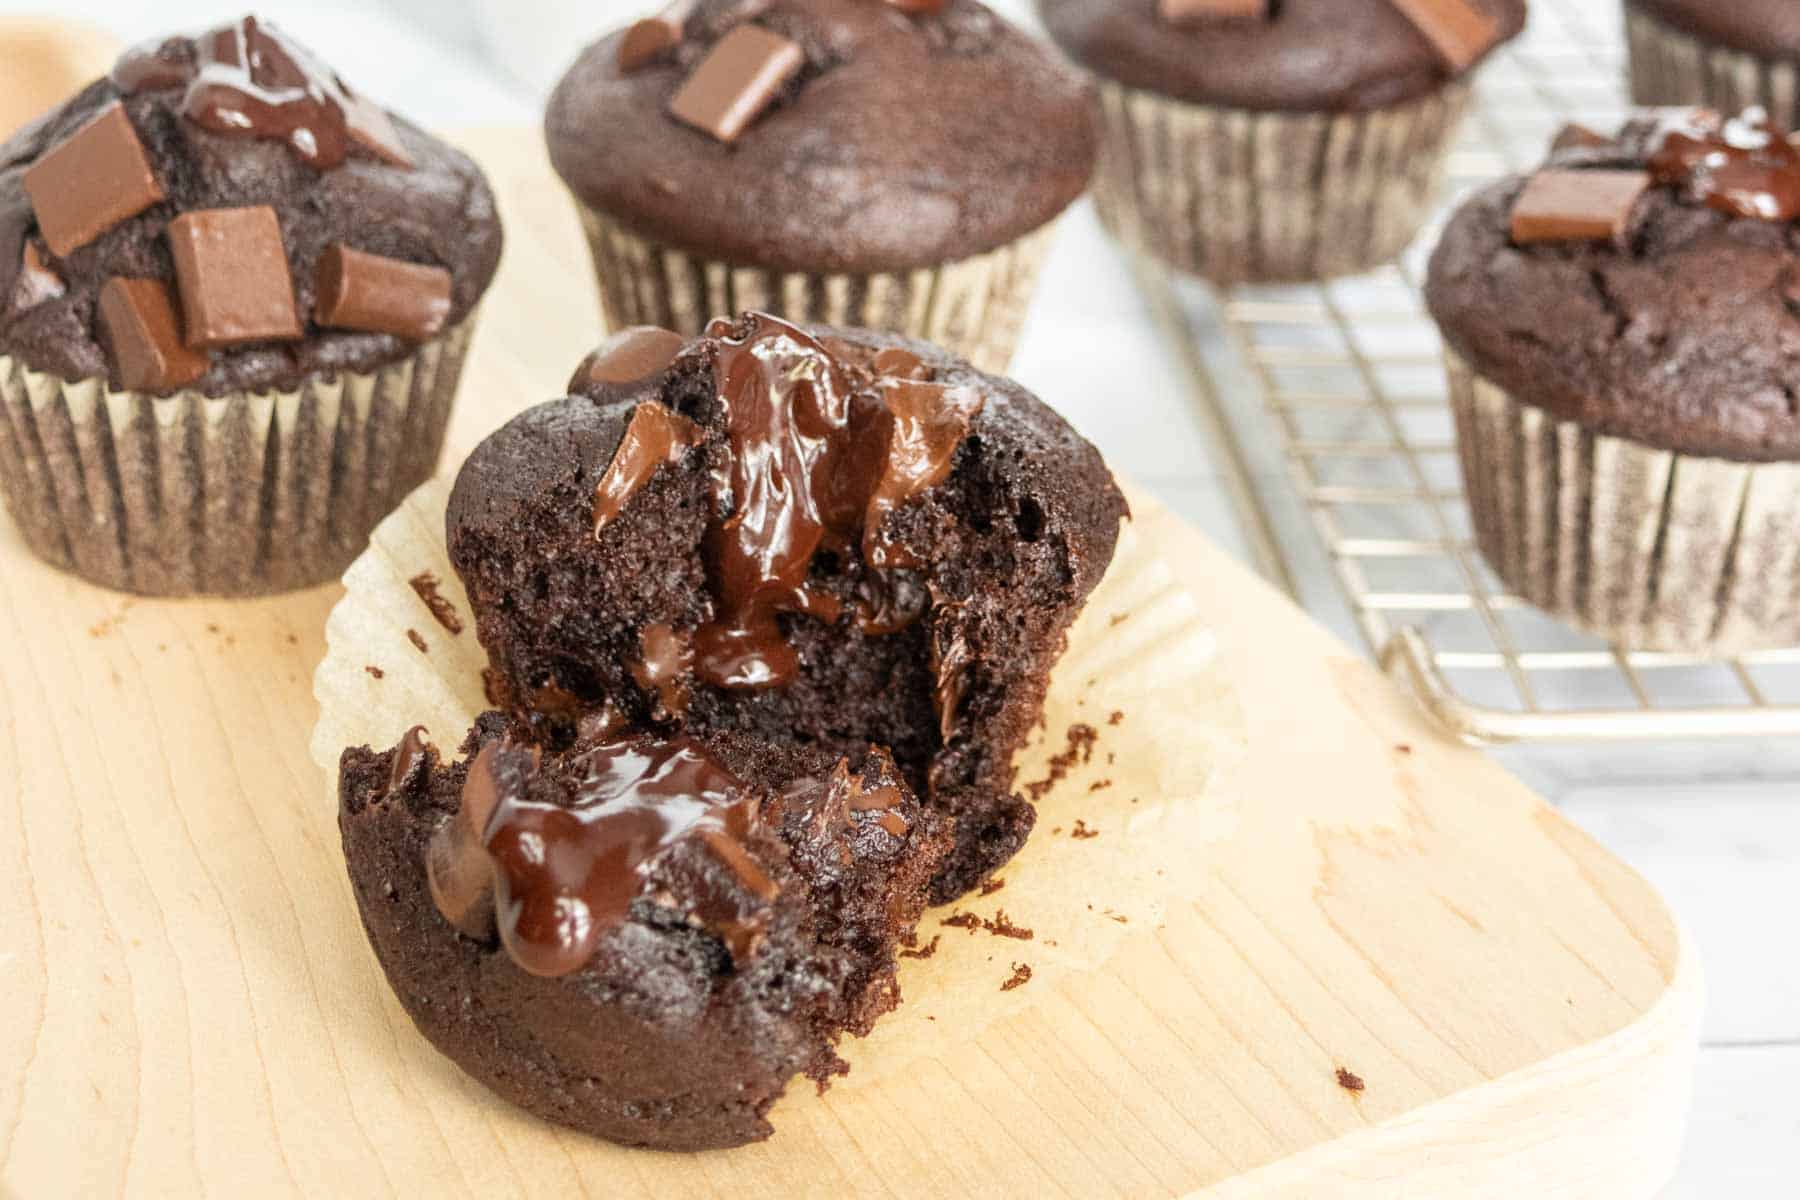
1348, 377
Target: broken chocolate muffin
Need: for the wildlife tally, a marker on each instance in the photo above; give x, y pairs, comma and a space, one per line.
819, 538
641, 937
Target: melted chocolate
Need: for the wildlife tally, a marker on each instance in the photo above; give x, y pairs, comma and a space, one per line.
657, 436
562, 876
248, 79
1740, 166
668, 656
820, 453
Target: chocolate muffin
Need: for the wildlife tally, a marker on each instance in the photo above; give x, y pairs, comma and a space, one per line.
1256, 141
643, 938
856, 162
817, 537
234, 300
1726, 54
1625, 360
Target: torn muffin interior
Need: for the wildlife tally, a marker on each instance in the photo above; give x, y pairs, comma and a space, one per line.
643, 937
819, 538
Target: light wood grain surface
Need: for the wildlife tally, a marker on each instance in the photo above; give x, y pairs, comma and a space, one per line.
189, 1005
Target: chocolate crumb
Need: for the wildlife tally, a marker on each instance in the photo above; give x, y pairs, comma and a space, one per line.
426, 585
490, 688
925, 951
1020, 977
961, 920
1118, 619
1349, 1081
1121, 918
1116, 717
1403, 748
1000, 926
1079, 750
1057, 832
377, 672
1099, 785
418, 641
1082, 831
293, 639
989, 887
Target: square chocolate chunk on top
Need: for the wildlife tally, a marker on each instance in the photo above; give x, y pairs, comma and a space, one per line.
357, 290
233, 271
144, 335
1461, 31
1199, 12
99, 176
1577, 206
736, 81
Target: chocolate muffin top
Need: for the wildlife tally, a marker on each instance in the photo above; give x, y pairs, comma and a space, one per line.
224, 213
825, 135
1646, 286
644, 939
1290, 56
1767, 27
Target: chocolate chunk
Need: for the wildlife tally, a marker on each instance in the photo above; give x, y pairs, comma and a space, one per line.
653, 38
233, 272
1194, 12
36, 281
100, 176
458, 868
739, 78
357, 290
1741, 166
372, 131
667, 658
900, 364
414, 758
929, 422
1461, 31
143, 334
656, 436
1577, 206
629, 356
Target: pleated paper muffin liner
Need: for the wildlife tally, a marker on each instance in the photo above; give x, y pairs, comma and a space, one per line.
974, 307
1237, 196
1650, 549
1670, 67
232, 496
1155, 793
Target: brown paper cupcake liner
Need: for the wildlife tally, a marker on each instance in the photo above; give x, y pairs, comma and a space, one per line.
974, 307
234, 496
1650, 549
1672, 67
1238, 196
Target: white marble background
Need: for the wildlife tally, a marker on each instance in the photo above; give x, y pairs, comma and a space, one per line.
1726, 853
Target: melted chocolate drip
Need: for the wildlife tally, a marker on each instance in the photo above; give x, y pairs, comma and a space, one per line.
821, 453
656, 437
562, 876
668, 656
249, 79
1740, 166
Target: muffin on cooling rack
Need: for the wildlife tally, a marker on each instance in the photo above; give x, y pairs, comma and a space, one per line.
894, 165
234, 300
1249, 140
1623, 331
1727, 54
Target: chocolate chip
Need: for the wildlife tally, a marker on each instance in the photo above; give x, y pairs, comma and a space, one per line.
1186, 12
652, 38
1461, 31
138, 319
372, 131
233, 272
738, 79
364, 291
1577, 206
100, 176
896, 363
36, 281
657, 436
629, 356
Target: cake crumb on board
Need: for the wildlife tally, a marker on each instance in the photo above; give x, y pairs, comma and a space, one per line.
1349, 1080
1020, 977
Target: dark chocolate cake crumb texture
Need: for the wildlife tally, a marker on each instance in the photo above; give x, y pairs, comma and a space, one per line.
817, 537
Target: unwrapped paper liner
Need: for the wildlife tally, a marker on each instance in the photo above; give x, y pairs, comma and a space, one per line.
1141, 670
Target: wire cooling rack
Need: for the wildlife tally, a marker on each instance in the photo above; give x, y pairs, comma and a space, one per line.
1348, 377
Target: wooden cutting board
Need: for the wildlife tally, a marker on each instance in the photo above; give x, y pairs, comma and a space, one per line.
189, 1003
